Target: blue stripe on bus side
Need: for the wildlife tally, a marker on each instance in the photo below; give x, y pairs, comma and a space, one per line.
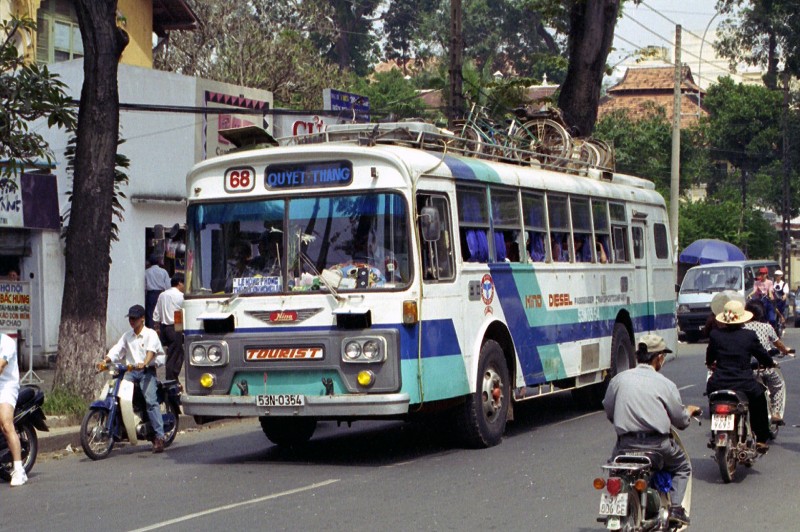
470, 169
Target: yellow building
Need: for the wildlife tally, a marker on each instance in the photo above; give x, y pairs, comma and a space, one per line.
58, 37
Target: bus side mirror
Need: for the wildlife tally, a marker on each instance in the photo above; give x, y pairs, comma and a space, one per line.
430, 224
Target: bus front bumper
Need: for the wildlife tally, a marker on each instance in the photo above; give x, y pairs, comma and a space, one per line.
324, 406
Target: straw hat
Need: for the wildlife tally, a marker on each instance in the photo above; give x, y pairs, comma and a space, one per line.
733, 313
720, 298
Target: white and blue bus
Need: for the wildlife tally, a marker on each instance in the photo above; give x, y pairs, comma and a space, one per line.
344, 280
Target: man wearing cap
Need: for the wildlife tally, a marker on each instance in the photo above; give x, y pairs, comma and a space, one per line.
642, 405
170, 301
139, 348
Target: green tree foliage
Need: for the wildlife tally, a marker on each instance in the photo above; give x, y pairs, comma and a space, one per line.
391, 95
264, 44
724, 220
763, 33
355, 46
28, 92
643, 147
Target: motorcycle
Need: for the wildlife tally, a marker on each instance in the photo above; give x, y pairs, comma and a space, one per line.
28, 418
120, 413
636, 494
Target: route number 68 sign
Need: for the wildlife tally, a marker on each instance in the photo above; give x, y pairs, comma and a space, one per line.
240, 179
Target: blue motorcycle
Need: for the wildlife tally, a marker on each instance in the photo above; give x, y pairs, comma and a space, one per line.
120, 413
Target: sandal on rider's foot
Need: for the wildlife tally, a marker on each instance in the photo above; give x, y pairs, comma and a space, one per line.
762, 447
777, 420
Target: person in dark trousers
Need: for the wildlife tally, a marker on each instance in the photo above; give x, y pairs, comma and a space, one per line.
156, 280
170, 301
730, 348
643, 404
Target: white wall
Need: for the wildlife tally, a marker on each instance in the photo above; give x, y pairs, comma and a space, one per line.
162, 147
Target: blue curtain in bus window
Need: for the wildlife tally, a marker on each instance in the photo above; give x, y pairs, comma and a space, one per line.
477, 243
560, 247
537, 250
500, 246
583, 249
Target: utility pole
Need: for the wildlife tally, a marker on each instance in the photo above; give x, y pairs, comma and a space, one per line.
456, 100
785, 203
675, 174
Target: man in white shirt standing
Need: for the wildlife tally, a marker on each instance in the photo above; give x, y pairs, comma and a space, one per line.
9, 390
156, 280
168, 302
139, 348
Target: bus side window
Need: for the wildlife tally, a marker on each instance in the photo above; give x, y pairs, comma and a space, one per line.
437, 256
505, 219
661, 241
559, 228
474, 225
582, 229
619, 232
602, 234
535, 226
638, 243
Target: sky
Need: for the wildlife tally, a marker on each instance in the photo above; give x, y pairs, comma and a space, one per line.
659, 18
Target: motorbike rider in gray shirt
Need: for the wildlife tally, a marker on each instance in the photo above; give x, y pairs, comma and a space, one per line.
642, 404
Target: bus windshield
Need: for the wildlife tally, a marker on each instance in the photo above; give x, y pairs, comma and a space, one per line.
354, 242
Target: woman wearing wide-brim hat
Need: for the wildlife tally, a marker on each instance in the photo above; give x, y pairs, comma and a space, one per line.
730, 348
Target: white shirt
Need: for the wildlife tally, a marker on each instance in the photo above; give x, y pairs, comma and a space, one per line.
156, 278
8, 353
132, 348
168, 302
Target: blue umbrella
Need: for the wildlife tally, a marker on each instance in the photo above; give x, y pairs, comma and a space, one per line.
709, 250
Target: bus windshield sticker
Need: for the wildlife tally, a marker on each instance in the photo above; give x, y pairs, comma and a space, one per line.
309, 175
256, 285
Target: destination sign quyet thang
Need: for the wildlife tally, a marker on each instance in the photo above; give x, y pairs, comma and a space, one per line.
304, 175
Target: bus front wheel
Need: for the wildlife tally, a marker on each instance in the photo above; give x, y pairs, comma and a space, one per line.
482, 421
288, 431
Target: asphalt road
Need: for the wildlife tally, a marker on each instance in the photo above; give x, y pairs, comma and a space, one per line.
397, 476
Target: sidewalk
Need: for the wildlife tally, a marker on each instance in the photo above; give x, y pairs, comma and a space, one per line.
62, 433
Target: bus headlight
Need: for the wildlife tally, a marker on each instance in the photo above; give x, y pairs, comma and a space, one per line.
367, 349
209, 354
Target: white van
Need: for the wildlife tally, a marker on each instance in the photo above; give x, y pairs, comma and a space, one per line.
702, 282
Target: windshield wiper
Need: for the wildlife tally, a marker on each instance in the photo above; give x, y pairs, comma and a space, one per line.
310, 264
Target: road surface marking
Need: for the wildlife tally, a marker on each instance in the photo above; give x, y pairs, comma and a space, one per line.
684, 387
235, 505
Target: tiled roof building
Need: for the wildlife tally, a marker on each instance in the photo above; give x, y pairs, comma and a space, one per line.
642, 85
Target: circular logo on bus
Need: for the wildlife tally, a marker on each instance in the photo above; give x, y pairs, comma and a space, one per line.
487, 289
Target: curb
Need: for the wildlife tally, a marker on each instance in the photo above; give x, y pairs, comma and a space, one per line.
58, 438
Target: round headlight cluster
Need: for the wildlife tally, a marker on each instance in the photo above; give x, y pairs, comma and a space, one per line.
366, 349
209, 354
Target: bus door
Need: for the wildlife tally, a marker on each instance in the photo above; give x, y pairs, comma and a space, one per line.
641, 279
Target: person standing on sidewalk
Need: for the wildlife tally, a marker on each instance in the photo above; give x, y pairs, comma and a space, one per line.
156, 280
139, 348
164, 320
9, 390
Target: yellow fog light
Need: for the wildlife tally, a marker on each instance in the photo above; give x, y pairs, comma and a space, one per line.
366, 378
207, 380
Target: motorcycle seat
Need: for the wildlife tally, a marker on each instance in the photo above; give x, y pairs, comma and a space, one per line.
639, 456
721, 395
26, 395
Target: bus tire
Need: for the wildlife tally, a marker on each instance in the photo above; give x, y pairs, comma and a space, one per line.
288, 431
482, 421
623, 355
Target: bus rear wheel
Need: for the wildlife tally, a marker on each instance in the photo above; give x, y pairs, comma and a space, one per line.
482, 421
288, 431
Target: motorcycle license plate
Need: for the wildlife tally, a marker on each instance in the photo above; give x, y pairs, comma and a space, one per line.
614, 505
280, 400
719, 422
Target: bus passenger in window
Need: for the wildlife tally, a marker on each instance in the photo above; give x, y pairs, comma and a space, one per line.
268, 261
536, 250
602, 257
560, 247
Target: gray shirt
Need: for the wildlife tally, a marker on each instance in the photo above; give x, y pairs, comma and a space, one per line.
643, 400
